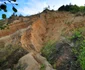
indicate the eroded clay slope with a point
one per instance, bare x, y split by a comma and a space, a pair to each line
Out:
33, 32
46, 26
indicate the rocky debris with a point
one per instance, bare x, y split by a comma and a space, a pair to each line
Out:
27, 63
63, 58
33, 61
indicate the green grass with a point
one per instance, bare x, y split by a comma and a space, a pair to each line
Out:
81, 57
77, 35
79, 50
42, 67
48, 49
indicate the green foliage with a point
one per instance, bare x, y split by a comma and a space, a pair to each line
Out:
79, 50
14, 9
49, 50
77, 35
82, 55
82, 8
3, 25
42, 67
72, 8
4, 16
4, 7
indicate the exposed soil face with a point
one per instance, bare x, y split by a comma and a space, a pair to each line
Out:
33, 32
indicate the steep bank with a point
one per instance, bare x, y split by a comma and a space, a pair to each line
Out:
32, 33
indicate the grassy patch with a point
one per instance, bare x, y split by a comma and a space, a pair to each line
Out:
79, 48
42, 67
82, 55
49, 51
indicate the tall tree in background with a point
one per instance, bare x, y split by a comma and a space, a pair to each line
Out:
72, 8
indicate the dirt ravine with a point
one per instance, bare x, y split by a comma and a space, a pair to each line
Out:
31, 33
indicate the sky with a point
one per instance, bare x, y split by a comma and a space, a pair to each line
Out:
30, 7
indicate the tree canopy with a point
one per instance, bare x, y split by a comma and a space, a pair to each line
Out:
72, 8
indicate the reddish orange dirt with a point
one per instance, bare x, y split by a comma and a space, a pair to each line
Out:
45, 27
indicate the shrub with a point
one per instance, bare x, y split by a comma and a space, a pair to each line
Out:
42, 67
77, 35
79, 47
72, 8
48, 50
82, 55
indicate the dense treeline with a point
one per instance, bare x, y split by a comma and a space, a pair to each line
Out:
72, 8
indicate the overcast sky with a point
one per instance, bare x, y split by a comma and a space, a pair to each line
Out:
29, 7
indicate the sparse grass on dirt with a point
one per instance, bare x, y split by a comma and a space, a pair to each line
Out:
79, 46
48, 51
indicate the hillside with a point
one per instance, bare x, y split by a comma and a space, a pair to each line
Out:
22, 43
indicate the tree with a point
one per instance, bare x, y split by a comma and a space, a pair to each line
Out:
62, 8
3, 6
72, 8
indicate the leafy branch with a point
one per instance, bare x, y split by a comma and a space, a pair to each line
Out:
4, 7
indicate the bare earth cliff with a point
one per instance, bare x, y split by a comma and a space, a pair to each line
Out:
22, 42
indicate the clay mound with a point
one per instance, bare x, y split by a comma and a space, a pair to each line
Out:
18, 24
